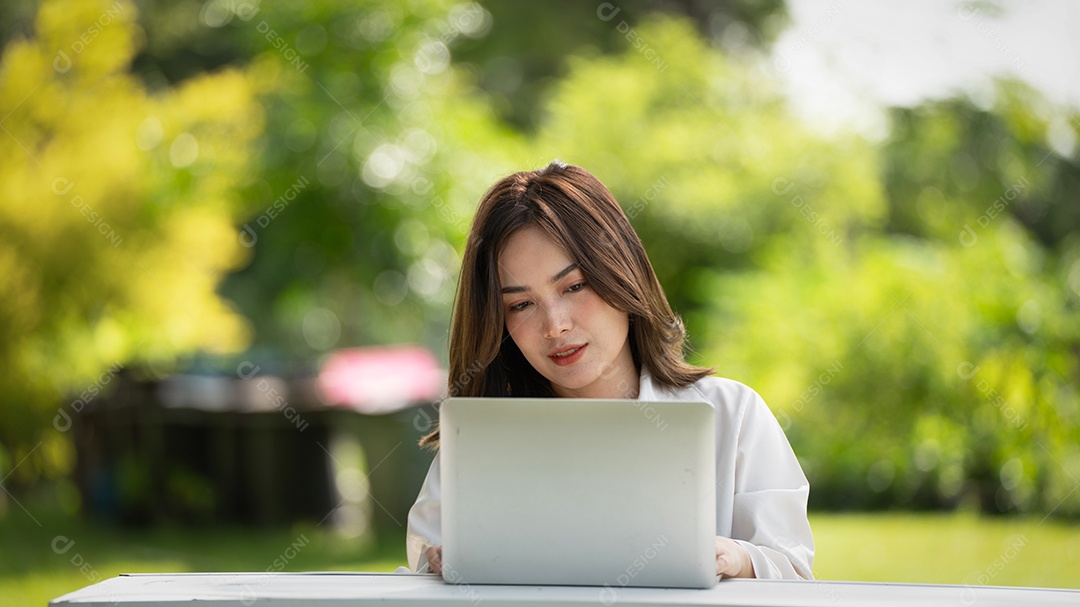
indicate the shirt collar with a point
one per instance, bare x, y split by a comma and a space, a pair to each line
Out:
649, 389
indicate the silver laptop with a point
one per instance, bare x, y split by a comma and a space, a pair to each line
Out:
578, 492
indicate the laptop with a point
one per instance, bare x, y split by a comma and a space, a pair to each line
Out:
582, 492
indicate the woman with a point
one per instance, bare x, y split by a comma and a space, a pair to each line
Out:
557, 298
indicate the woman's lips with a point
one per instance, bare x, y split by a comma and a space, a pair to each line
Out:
568, 356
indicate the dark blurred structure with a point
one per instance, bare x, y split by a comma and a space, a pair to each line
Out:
259, 449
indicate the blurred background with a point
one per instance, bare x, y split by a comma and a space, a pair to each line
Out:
230, 233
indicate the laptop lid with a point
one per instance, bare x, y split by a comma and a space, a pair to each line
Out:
578, 492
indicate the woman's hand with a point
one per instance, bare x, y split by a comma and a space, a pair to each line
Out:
732, 560
434, 559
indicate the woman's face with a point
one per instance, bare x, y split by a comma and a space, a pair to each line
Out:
567, 332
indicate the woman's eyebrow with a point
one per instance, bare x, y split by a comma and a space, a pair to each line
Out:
556, 278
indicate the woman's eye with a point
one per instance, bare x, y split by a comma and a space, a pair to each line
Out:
519, 306
576, 287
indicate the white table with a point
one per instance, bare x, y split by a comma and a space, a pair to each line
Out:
411, 590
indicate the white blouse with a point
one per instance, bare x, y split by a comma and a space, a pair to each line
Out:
761, 490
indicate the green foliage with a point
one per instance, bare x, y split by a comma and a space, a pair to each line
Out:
529, 44
936, 374
913, 362
953, 349
702, 152
374, 151
116, 218
950, 163
330, 174
908, 307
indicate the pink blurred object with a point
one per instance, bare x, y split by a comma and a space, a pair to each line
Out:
381, 379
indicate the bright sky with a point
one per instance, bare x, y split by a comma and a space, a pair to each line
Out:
843, 58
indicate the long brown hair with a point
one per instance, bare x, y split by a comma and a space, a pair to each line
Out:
577, 212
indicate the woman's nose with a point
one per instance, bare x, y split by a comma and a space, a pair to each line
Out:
556, 320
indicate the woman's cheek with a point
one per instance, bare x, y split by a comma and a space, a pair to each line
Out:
514, 325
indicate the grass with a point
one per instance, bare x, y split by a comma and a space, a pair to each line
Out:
946, 549
896, 547
32, 571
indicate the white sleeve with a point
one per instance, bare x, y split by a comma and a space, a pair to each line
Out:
769, 509
425, 520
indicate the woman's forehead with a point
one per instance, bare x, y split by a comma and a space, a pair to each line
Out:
530, 258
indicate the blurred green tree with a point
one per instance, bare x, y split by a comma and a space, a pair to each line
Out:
529, 45
714, 171
908, 307
335, 155
391, 142
918, 342
116, 220
356, 258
